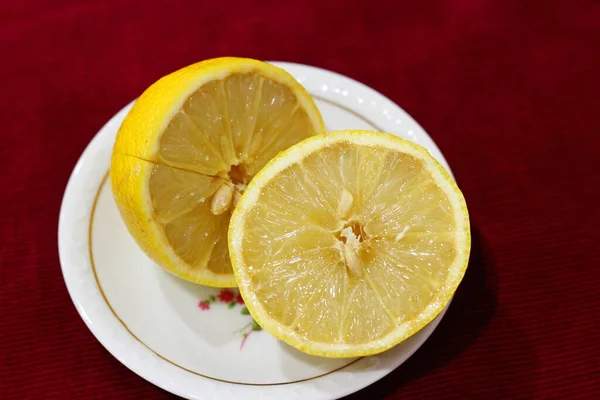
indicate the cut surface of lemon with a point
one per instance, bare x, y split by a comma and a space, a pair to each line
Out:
188, 148
348, 243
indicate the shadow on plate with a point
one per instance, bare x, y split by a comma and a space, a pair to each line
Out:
292, 359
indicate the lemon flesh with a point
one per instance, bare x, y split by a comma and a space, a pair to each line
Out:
347, 244
189, 147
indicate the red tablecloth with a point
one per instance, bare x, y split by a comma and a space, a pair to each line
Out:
509, 90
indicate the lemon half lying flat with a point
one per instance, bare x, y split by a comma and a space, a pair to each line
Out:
348, 243
190, 145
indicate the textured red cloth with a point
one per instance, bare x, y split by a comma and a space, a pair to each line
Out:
509, 90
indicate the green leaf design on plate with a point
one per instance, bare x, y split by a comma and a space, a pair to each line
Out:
255, 326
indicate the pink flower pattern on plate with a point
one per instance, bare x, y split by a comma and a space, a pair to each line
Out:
204, 305
231, 298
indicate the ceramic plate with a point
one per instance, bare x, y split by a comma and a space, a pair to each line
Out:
194, 341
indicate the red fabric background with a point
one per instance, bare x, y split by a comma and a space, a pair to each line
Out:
508, 89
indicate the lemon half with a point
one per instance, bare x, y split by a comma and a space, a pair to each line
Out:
188, 148
346, 244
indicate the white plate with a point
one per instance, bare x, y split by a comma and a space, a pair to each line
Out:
154, 323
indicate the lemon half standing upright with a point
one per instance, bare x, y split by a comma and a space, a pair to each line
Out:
188, 148
348, 243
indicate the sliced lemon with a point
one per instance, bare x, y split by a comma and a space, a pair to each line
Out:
190, 145
348, 243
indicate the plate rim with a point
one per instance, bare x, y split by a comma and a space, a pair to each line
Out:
303, 73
